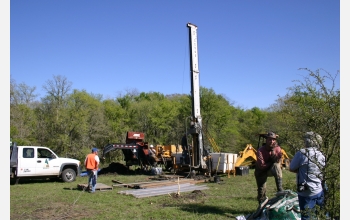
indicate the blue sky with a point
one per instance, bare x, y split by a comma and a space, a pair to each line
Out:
249, 51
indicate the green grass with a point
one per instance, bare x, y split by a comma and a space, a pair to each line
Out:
45, 199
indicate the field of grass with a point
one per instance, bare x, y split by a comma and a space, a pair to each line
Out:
48, 199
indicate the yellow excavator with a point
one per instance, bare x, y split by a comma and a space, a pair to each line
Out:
165, 154
247, 157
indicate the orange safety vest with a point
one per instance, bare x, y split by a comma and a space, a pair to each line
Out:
91, 163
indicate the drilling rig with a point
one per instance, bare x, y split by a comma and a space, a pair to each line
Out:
197, 158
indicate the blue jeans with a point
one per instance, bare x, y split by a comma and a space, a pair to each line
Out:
92, 179
310, 203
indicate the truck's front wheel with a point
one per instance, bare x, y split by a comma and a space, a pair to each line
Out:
68, 175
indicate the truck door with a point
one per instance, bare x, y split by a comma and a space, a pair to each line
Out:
26, 162
47, 162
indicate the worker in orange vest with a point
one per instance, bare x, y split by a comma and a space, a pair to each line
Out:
91, 164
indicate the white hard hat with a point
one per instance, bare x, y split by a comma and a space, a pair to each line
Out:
151, 146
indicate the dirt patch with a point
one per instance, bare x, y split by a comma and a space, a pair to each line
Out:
121, 169
200, 177
194, 196
115, 168
56, 211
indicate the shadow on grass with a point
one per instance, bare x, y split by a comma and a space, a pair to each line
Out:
208, 209
74, 188
27, 180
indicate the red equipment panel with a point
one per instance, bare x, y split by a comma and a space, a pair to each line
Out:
134, 136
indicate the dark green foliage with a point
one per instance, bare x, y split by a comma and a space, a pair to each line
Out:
314, 105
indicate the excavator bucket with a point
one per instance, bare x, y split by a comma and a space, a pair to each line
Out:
247, 157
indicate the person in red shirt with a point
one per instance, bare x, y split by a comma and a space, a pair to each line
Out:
91, 164
268, 164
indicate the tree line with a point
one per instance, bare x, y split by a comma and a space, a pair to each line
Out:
72, 121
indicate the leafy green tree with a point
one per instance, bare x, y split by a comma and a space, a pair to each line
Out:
22, 117
57, 91
163, 118
22, 93
314, 105
217, 119
182, 103
253, 122
51, 112
22, 124
86, 125
117, 121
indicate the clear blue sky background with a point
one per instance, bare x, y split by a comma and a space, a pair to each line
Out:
249, 51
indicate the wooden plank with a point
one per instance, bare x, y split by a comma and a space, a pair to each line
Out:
129, 185
152, 184
168, 177
116, 181
168, 183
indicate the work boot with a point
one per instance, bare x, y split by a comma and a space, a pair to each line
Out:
279, 184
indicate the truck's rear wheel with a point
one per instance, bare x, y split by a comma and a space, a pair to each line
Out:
68, 175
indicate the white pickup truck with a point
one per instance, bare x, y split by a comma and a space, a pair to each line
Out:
41, 162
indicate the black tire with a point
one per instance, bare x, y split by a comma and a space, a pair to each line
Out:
69, 175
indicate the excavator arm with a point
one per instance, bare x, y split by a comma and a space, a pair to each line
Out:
112, 147
249, 152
